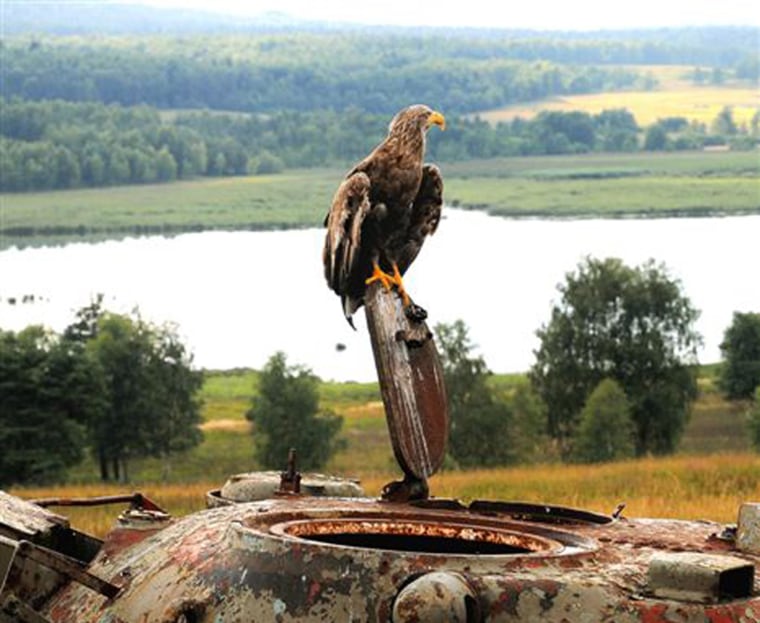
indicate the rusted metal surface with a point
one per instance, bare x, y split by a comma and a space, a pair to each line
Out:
25, 520
321, 559
411, 382
700, 577
437, 597
14, 610
255, 486
542, 513
39, 554
290, 478
136, 500
67, 567
748, 528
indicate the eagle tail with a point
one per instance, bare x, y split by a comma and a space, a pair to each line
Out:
350, 305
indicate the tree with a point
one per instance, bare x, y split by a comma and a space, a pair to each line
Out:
285, 414
150, 388
166, 166
616, 130
531, 442
480, 424
724, 124
656, 138
605, 431
633, 325
268, 164
740, 372
175, 412
48, 393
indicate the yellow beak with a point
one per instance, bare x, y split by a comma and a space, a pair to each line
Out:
438, 119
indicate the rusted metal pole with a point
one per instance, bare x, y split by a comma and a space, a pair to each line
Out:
69, 567
411, 382
136, 500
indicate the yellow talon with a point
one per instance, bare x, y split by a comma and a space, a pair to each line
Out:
405, 300
389, 281
378, 275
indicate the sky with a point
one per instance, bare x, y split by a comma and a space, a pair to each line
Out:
534, 14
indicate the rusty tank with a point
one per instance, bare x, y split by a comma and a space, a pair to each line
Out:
286, 547
301, 557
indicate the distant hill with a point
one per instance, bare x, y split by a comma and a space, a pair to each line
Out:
719, 45
72, 18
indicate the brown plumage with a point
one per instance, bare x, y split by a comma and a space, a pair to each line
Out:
383, 211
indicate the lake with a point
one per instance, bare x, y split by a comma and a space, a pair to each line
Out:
238, 297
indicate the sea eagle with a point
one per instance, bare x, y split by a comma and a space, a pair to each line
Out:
383, 210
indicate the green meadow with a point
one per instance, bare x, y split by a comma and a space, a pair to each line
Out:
599, 185
716, 426
605, 185
710, 475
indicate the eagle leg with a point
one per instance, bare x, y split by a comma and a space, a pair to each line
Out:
378, 274
400, 286
389, 281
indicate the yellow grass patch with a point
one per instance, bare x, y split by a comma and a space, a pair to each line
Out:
370, 409
679, 487
675, 97
683, 487
242, 426
177, 499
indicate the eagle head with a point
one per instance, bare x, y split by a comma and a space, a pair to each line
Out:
418, 116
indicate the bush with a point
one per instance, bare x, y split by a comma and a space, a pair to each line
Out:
481, 431
606, 431
285, 415
740, 372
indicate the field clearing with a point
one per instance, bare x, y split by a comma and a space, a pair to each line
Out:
599, 185
713, 472
716, 426
701, 104
294, 199
675, 96
614, 197
682, 487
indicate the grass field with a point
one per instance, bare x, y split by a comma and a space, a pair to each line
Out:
681, 487
716, 426
675, 96
712, 473
602, 185
296, 199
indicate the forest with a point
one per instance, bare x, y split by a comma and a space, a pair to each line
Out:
96, 111
306, 72
56, 145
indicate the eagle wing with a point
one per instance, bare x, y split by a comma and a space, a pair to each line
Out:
343, 253
425, 215
382, 211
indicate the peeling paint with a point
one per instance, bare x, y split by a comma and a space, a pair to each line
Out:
325, 559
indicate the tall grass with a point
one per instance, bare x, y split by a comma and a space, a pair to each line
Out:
682, 487
178, 499
711, 476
